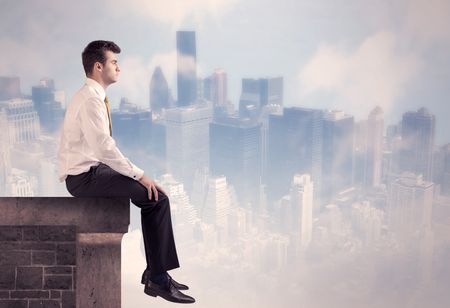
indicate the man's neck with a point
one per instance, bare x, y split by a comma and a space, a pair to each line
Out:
100, 81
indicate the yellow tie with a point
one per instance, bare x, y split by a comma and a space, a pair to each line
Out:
109, 116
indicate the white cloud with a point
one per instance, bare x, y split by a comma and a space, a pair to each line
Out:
136, 73
428, 21
375, 73
175, 12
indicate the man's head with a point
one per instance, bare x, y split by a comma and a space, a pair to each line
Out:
100, 61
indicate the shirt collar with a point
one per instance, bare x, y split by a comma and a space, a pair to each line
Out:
97, 87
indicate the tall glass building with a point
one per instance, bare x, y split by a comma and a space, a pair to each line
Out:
416, 154
186, 68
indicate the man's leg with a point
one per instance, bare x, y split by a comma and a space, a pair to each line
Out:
159, 243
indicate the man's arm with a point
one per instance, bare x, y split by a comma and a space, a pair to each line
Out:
96, 131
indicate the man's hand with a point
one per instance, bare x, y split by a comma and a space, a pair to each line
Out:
151, 186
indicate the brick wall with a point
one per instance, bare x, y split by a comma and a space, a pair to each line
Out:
37, 266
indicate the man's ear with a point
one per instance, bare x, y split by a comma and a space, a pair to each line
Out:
98, 66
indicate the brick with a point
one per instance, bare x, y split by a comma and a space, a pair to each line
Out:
57, 233
55, 294
45, 304
14, 257
58, 282
74, 278
31, 233
66, 254
11, 303
10, 246
43, 258
38, 246
4, 294
58, 270
10, 233
29, 278
7, 277
68, 299
30, 294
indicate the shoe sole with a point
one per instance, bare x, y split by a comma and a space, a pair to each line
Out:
155, 294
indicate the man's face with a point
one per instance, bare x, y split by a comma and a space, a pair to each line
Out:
110, 70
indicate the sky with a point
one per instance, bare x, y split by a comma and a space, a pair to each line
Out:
350, 55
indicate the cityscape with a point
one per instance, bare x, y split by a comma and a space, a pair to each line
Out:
264, 189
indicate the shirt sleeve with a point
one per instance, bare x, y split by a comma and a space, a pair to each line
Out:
95, 128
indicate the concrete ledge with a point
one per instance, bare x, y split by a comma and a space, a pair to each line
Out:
61, 252
90, 215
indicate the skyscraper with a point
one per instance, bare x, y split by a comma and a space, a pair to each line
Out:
187, 141
257, 93
235, 151
294, 145
51, 114
159, 91
416, 153
302, 201
23, 120
5, 159
186, 68
132, 127
337, 151
410, 201
441, 173
215, 88
374, 148
217, 202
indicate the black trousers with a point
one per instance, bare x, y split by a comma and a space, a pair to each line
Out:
159, 243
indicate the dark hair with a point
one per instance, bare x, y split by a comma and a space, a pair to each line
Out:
95, 52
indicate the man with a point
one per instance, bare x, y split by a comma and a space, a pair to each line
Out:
93, 166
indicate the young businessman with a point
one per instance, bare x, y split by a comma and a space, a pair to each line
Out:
93, 166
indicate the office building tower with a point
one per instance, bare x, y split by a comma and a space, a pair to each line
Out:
441, 167
360, 151
183, 212
235, 151
257, 93
217, 202
264, 120
187, 141
23, 120
186, 68
416, 153
9, 88
21, 184
294, 145
410, 200
159, 91
49, 109
157, 151
5, 159
132, 126
215, 88
337, 151
374, 148
301, 196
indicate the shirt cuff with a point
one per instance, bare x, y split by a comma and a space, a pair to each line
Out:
136, 173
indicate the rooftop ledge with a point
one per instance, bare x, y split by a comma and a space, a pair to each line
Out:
61, 251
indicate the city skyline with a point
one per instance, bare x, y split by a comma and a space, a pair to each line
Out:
306, 153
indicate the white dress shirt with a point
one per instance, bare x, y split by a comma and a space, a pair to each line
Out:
85, 139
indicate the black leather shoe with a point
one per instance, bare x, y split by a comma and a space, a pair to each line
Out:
179, 286
168, 292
